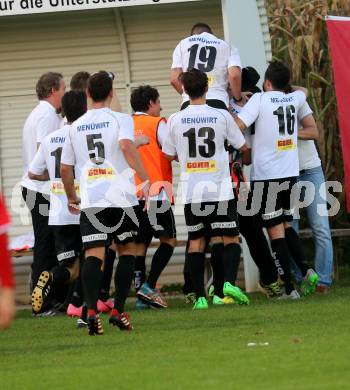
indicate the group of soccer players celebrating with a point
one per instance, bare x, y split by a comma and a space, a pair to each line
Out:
110, 183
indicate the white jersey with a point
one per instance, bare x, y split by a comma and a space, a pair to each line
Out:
308, 155
211, 55
42, 121
197, 136
106, 180
275, 136
48, 157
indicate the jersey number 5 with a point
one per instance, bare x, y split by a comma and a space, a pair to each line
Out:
93, 145
207, 150
282, 124
207, 57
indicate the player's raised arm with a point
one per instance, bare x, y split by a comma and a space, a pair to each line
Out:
309, 129
234, 135
235, 76
307, 125
301, 89
176, 70
249, 113
175, 79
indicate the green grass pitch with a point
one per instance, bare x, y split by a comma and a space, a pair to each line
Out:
308, 348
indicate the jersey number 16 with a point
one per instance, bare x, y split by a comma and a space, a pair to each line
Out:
284, 113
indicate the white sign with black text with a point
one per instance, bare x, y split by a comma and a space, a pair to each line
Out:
24, 7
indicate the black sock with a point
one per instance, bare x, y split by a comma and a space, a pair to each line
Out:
107, 275
91, 281
296, 249
196, 264
77, 295
251, 230
281, 255
60, 275
232, 258
123, 279
140, 272
188, 285
217, 264
159, 262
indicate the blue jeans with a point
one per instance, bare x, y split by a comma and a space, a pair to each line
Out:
320, 229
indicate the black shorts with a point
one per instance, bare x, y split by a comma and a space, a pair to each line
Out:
157, 222
215, 103
278, 200
68, 243
100, 226
211, 219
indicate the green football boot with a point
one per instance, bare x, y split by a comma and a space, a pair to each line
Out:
235, 293
272, 290
217, 300
201, 304
309, 283
211, 291
190, 298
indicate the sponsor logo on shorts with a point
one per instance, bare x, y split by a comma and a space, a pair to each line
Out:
95, 237
195, 228
66, 255
124, 236
274, 214
223, 225
285, 144
201, 166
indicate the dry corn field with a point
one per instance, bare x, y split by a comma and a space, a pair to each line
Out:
299, 38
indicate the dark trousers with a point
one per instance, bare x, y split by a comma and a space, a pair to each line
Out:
44, 254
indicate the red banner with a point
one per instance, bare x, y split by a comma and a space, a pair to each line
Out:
339, 40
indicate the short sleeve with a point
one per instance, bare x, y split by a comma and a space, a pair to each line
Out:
169, 144
234, 58
250, 111
161, 132
177, 57
234, 134
126, 130
45, 125
68, 155
301, 97
304, 111
38, 165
